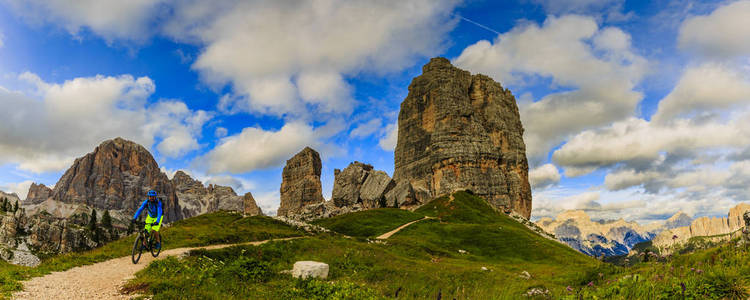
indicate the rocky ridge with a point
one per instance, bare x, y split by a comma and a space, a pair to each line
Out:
196, 199
597, 238
458, 131
718, 229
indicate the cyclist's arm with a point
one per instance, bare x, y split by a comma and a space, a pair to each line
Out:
140, 209
158, 213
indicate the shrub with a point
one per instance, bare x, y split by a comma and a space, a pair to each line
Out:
315, 289
249, 269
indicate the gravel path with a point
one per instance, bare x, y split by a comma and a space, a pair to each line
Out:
386, 235
101, 280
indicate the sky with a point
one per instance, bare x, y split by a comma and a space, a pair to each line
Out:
631, 109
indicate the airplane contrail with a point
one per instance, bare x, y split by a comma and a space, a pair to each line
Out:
480, 25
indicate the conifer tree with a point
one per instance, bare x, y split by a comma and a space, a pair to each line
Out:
107, 221
92, 220
15, 207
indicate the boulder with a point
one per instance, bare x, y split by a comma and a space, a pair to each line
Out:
300, 182
310, 269
458, 131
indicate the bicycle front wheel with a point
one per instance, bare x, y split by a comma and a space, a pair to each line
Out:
136, 254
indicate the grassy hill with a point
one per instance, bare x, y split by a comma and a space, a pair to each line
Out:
208, 229
369, 223
421, 261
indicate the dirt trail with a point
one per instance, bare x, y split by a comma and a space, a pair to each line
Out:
101, 280
386, 235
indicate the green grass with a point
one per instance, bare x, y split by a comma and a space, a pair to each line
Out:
208, 229
369, 223
419, 262
717, 273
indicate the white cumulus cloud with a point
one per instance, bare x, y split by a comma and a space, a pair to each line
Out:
599, 65
110, 19
724, 33
53, 123
544, 176
366, 129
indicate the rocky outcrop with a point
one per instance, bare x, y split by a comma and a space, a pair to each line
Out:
38, 193
116, 176
196, 199
596, 238
250, 207
718, 229
460, 131
348, 183
300, 184
404, 195
360, 184
374, 189
23, 237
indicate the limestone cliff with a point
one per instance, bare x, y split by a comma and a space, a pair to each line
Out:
718, 229
461, 131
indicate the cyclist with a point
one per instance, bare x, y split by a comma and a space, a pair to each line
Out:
153, 217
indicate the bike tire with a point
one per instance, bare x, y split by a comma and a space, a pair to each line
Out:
135, 256
154, 252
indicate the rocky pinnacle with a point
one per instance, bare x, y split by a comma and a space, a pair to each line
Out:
461, 131
300, 185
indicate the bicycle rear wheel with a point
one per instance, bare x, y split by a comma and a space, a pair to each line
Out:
136, 254
154, 252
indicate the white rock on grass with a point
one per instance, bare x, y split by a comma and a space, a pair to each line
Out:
307, 269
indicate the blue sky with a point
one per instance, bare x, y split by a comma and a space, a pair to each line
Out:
632, 109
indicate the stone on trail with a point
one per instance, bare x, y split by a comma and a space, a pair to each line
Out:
307, 269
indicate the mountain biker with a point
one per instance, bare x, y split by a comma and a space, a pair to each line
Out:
153, 216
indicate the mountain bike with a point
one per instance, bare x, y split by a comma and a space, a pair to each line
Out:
144, 235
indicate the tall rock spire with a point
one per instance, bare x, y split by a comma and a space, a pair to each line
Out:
462, 131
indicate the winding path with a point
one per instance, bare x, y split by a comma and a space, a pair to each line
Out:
386, 235
100, 280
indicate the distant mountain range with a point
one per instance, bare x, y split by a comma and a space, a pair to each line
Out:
605, 238
715, 229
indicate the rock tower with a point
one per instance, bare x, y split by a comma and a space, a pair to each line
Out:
462, 131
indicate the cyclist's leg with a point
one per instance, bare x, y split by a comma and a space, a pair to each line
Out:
149, 227
156, 232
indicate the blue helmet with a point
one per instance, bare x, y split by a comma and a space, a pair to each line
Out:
152, 193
